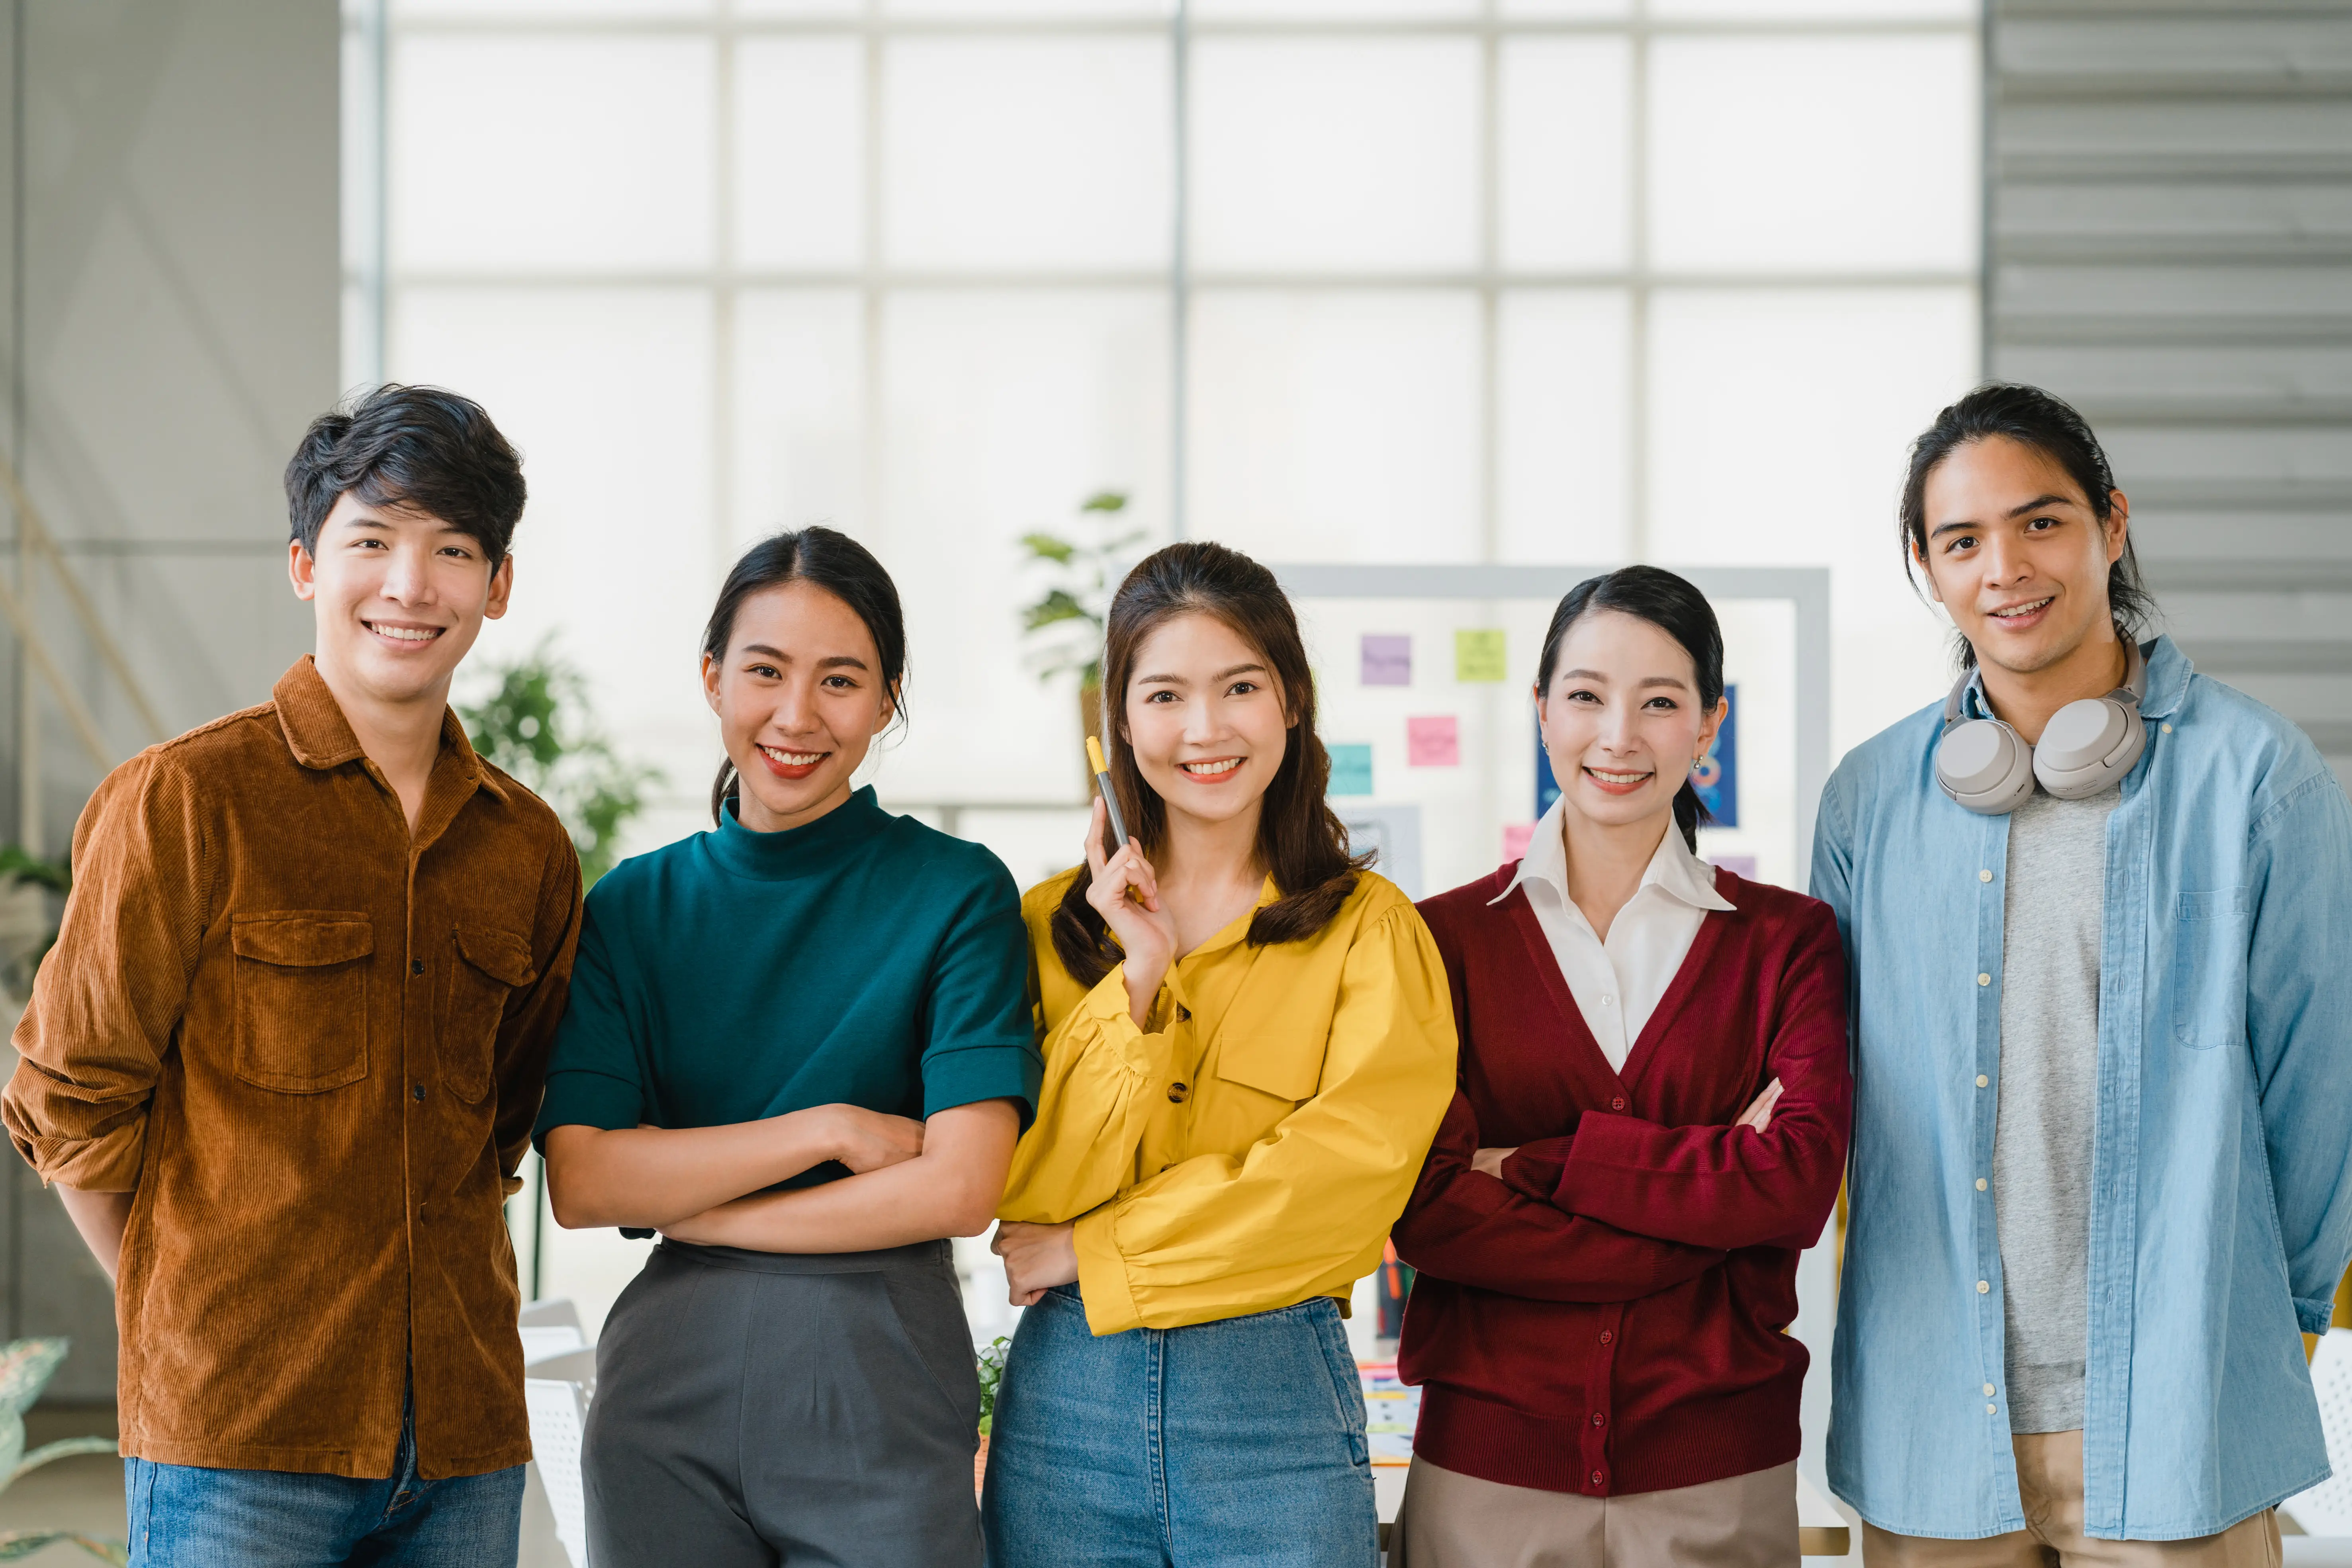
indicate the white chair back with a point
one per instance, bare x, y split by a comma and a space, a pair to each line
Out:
549, 1328
556, 1391
2326, 1508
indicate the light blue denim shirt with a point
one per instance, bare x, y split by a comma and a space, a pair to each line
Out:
2222, 1207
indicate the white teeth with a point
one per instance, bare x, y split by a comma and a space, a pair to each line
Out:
1616, 778
793, 759
2018, 610
406, 633
1211, 770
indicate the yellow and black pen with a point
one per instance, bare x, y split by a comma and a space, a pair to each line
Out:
1109, 796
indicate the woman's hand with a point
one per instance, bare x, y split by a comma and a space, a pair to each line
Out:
1036, 1258
1759, 1113
867, 1140
1126, 895
1491, 1160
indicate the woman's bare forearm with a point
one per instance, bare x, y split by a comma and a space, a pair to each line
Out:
952, 1188
653, 1175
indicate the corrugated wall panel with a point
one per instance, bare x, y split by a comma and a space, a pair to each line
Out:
2168, 200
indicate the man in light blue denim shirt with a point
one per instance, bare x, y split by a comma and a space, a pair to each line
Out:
2099, 1173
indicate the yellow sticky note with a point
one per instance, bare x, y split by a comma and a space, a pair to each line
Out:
1478, 656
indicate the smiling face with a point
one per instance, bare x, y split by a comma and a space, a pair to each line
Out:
2017, 556
1621, 719
800, 698
400, 596
1205, 720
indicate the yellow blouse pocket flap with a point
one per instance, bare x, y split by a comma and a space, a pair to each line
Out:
1287, 1063
302, 940
502, 956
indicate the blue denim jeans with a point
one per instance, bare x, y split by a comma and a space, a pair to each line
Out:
186, 1516
1239, 1442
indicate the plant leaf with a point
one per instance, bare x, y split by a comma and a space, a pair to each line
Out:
1046, 547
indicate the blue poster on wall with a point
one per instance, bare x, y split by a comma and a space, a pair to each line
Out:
1716, 777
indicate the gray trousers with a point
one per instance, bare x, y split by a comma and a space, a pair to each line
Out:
757, 1408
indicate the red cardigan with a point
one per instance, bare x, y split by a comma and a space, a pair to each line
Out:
1608, 1318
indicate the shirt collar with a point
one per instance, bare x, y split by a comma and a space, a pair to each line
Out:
1675, 868
321, 738
2169, 670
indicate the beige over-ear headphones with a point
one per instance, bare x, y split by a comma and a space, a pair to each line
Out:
2087, 746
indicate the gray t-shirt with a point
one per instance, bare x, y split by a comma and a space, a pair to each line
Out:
2052, 909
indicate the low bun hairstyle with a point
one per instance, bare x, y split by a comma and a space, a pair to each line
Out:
1675, 607
823, 558
1302, 843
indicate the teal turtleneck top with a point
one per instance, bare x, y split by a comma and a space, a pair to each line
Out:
864, 959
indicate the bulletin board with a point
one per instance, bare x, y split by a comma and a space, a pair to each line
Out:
1424, 677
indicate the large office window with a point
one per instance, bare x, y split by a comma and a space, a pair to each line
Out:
1379, 280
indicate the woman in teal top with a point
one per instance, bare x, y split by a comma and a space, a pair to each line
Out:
800, 1048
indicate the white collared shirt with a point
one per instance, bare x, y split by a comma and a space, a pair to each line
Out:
1618, 983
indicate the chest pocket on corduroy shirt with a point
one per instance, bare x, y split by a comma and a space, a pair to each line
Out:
300, 984
487, 967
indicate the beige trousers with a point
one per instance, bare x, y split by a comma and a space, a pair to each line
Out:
2050, 1485
1452, 1520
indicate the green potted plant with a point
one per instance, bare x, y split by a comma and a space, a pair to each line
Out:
536, 723
26, 1367
1065, 626
992, 1378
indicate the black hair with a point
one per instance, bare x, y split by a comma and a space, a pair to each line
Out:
1675, 606
2050, 425
421, 448
825, 559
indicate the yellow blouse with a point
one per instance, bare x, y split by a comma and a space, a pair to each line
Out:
1252, 1149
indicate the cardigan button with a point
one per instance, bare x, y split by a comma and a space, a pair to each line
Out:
1178, 1094
1596, 1478
1608, 1335
1618, 1103
1596, 1418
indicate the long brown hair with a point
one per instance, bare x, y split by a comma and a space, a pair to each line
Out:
1301, 842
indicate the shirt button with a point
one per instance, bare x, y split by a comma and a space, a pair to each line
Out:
1606, 1000
1991, 1411
1982, 1080
417, 1092
1618, 1103
1983, 1285
1985, 875
1607, 1335
1988, 1391
2168, 729
415, 966
1980, 1184
1596, 1478
1984, 979
1596, 1418
1178, 1094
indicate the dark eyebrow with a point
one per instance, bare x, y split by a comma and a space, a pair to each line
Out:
1676, 682
1240, 669
2036, 504
837, 661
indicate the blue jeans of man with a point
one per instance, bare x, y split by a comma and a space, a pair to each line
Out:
1227, 1443
186, 1516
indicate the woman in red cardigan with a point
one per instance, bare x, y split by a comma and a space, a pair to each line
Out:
1650, 1125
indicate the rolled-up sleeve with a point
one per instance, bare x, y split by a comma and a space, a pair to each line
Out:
110, 994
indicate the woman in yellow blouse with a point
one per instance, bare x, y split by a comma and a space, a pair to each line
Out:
1249, 1044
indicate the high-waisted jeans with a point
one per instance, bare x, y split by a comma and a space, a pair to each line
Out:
1239, 1442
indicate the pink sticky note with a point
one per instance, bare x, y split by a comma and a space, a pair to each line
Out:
1433, 742
1517, 837
1387, 659
1742, 865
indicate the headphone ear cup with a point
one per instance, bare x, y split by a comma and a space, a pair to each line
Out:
1986, 766
2087, 746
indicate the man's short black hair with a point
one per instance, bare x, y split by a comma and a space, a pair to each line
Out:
421, 447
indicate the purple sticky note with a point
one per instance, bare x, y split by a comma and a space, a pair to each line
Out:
1388, 659
1517, 837
1433, 742
1742, 865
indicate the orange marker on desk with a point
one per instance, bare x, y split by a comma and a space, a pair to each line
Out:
1102, 782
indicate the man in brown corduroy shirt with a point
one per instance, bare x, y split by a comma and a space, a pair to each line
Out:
283, 1061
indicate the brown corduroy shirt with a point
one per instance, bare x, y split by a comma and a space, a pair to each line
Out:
312, 1043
